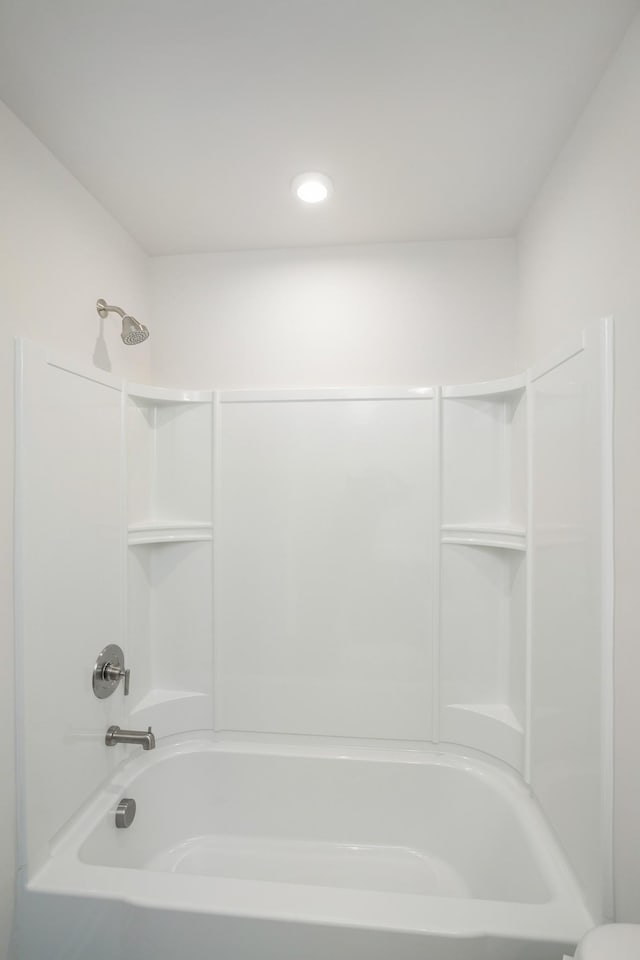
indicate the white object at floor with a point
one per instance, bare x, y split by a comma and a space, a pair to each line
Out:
613, 941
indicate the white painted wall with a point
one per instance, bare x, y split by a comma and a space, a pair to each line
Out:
59, 251
579, 256
381, 314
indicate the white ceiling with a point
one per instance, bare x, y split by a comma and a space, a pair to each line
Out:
188, 119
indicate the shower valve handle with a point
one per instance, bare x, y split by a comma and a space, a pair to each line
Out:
109, 672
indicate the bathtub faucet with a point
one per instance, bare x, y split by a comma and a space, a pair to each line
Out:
144, 738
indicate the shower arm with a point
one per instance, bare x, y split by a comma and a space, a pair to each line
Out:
104, 309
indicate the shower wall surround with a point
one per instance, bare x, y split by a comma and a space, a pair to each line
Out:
326, 562
352, 524
169, 443
396, 564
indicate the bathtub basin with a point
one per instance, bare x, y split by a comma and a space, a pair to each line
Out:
244, 850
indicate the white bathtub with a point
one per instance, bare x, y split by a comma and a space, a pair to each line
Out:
267, 851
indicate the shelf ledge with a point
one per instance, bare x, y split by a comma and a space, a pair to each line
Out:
504, 537
157, 697
499, 712
173, 711
167, 395
487, 388
141, 533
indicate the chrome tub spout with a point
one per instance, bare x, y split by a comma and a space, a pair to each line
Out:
143, 738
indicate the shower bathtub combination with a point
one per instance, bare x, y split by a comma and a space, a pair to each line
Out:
342, 612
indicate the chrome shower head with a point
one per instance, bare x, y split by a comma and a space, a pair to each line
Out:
133, 331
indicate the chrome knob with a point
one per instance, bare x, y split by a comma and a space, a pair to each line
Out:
125, 813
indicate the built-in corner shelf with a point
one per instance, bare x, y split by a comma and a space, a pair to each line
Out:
490, 727
156, 697
173, 711
498, 712
174, 532
505, 537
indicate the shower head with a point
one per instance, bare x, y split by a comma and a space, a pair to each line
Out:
132, 330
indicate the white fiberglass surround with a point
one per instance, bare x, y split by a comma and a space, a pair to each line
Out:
408, 567
423, 844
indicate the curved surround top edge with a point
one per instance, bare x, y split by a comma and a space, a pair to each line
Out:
163, 394
279, 395
290, 395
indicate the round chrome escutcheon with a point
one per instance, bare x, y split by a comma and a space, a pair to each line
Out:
125, 813
111, 656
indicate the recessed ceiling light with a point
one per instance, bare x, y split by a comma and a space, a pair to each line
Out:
312, 187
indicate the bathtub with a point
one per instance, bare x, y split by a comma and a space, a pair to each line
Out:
289, 851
